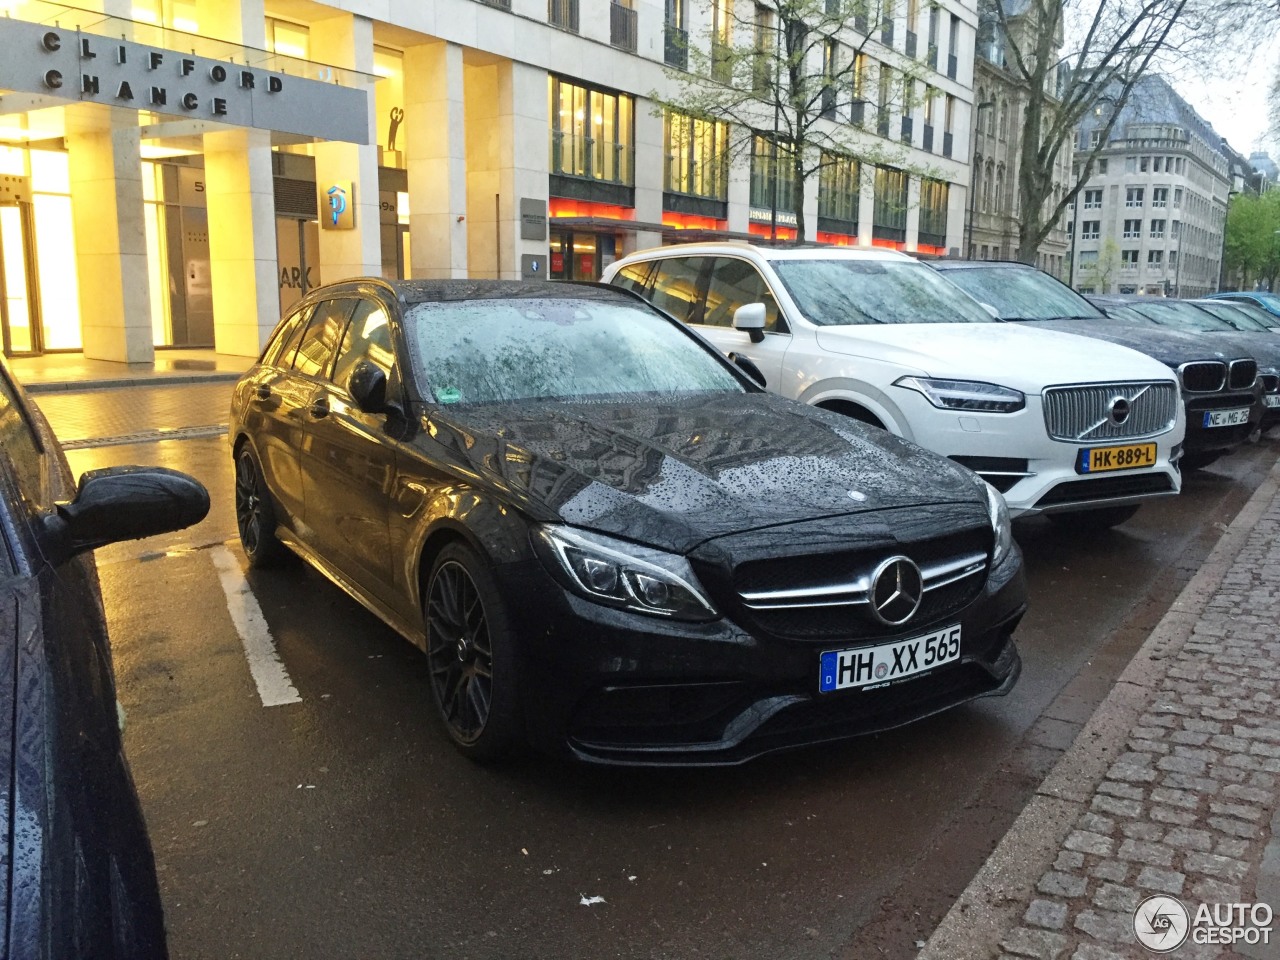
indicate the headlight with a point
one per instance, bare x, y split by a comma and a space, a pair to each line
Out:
621, 574
970, 395
1001, 525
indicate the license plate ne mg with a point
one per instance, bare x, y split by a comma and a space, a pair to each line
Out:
1129, 457
882, 665
1226, 418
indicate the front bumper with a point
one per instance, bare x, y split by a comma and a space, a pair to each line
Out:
607, 686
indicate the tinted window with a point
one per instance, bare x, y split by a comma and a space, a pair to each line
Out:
321, 339
368, 337
286, 337
675, 286
632, 277
1021, 294
486, 351
847, 291
734, 283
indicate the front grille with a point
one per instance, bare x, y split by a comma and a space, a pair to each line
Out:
1243, 373
1105, 488
1271, 383
1110, 411
814, 598
1203, 376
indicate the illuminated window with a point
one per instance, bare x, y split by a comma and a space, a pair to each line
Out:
839, 186
591, 132
288, 39
697, 156
772, 174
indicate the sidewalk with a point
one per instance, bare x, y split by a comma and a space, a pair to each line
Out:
71, 371
1172, 788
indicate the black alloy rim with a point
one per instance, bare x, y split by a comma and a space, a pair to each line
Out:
248, 503
460, 652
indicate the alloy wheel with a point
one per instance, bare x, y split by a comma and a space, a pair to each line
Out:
249, 504
460, 652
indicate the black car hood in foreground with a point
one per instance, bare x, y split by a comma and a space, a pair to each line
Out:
675, 476
1173, 347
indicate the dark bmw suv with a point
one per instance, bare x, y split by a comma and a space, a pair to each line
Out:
608, 540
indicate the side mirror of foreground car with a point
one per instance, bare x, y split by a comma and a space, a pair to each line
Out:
368, 387
123, 503
750, 317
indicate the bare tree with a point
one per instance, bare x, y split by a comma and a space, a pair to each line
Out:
1075, 58
794, 78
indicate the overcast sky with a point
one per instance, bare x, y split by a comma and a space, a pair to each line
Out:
1237, 108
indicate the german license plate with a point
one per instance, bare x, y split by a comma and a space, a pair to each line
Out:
879, 666
1129, 457
1226, 418
1272, 399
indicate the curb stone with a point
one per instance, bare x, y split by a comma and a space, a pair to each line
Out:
996, 898
158, 380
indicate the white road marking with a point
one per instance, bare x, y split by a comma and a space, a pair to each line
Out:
274, 686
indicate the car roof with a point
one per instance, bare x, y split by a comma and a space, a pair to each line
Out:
980, 264
442, 291
729, 247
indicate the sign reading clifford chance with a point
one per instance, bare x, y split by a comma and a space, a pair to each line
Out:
120, 73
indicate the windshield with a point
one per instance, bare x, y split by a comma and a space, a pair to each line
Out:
1233, 314
1021, 294
1180, 314
838, 291
1118, 311
499, 351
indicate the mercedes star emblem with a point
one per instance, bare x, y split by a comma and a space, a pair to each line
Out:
896, 591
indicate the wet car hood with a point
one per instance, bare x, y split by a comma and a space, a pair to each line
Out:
1023, 357
674, 476
1172, 347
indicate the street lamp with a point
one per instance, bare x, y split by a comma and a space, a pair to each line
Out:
973, 186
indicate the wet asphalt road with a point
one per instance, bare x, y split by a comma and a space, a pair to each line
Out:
345, 826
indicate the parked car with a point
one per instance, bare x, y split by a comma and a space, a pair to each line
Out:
1056, 422
1205, 362
607, 539
79, 879
1186, 316
1269, 302
1246, 317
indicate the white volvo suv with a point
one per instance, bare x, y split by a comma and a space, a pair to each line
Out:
1060, 424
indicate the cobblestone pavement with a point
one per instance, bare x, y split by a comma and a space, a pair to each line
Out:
146, 411
1186, 810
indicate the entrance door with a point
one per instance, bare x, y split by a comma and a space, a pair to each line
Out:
19, 299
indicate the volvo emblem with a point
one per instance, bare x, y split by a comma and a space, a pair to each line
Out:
1120, 410
896, 591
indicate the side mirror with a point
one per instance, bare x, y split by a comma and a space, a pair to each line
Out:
368, 386
750, 317
748, 366
123, 503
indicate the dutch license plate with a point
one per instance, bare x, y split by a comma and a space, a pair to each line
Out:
1272, 400
880, 666
1226, 418
1102, 459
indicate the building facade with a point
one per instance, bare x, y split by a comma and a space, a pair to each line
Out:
1000, 104
1151, 218
177, 172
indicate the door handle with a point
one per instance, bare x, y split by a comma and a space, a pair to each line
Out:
319, 410
262, 391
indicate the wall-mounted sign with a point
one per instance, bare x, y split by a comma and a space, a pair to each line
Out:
338, 206
76, 66
765, 215
533, 219
533, 266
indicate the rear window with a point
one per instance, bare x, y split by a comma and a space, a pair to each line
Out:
838, 292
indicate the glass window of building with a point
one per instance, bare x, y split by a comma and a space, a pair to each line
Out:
889, 214
591, 132
934, 197
697, 156
1133, 196
772, 174
839, 185
1132, 229
388, 67
173, 14
288, 39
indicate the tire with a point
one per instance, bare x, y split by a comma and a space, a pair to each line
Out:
255, 513
470, 655
1197, 461
1103, 518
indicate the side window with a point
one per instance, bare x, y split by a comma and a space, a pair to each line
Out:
734, 283
315, 352
633, 277
675, 287
286, 336
368, 337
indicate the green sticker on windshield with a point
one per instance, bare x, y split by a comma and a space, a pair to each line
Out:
449, 395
